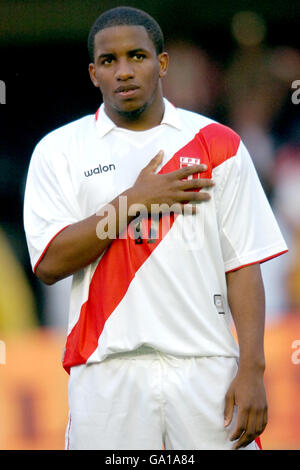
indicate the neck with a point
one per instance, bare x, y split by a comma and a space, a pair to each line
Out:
148, 116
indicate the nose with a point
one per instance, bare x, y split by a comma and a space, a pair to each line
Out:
124, 70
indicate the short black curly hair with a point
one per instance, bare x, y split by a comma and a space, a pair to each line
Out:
123, 16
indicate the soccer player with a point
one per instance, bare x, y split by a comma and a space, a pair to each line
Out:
159, 216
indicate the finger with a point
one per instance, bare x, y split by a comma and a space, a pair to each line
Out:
241, 424
259, 427
196, 183
155, 162
265, 421
250, 433
228, 409
260, 423
195, 197
187, 171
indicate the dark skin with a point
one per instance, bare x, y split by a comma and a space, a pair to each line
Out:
246, 298
128, 72
125, 57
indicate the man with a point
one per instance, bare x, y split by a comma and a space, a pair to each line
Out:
158, 214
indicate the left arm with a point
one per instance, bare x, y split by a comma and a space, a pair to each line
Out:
246, 299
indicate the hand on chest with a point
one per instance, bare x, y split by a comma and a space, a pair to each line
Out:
116, 164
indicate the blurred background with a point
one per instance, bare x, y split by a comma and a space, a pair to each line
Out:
234, 61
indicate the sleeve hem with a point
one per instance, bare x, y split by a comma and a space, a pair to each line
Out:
46, 248
256, 262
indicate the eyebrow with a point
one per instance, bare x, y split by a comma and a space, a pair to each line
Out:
140, 49
108, 54
131, 52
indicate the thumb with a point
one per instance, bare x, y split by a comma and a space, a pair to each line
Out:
156, 161
228, 409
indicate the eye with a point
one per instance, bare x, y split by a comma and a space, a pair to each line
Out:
107, 61
139, 57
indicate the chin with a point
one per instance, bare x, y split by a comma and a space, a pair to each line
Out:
132, 112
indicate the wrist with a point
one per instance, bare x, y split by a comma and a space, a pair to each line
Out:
252, 364
135, 202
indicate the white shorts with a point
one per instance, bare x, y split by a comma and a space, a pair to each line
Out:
149, 400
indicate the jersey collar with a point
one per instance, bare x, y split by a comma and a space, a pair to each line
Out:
104, 124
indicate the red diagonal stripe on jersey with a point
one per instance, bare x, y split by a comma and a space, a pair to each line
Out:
124, 257
258, 442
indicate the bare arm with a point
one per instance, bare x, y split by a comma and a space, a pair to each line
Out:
247, 303
76, 247
79, 244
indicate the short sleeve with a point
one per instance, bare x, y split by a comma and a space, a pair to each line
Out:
49, 203
248, 230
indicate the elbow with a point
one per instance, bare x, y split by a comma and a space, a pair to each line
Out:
49, 281
46, 275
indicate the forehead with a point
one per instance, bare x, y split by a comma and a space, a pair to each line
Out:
120, 39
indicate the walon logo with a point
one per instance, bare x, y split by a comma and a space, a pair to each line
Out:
2, 92
99, 169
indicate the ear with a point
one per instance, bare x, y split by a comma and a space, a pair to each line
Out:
163, 59
92, 72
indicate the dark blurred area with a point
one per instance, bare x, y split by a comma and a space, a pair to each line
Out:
235, 61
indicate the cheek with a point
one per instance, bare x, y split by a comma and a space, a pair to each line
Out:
104, 82
104, 74
152, 78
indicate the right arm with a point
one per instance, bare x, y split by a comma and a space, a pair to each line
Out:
78, 245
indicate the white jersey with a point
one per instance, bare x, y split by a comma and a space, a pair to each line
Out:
166, 289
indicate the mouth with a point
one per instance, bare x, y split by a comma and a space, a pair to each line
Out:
127, 91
